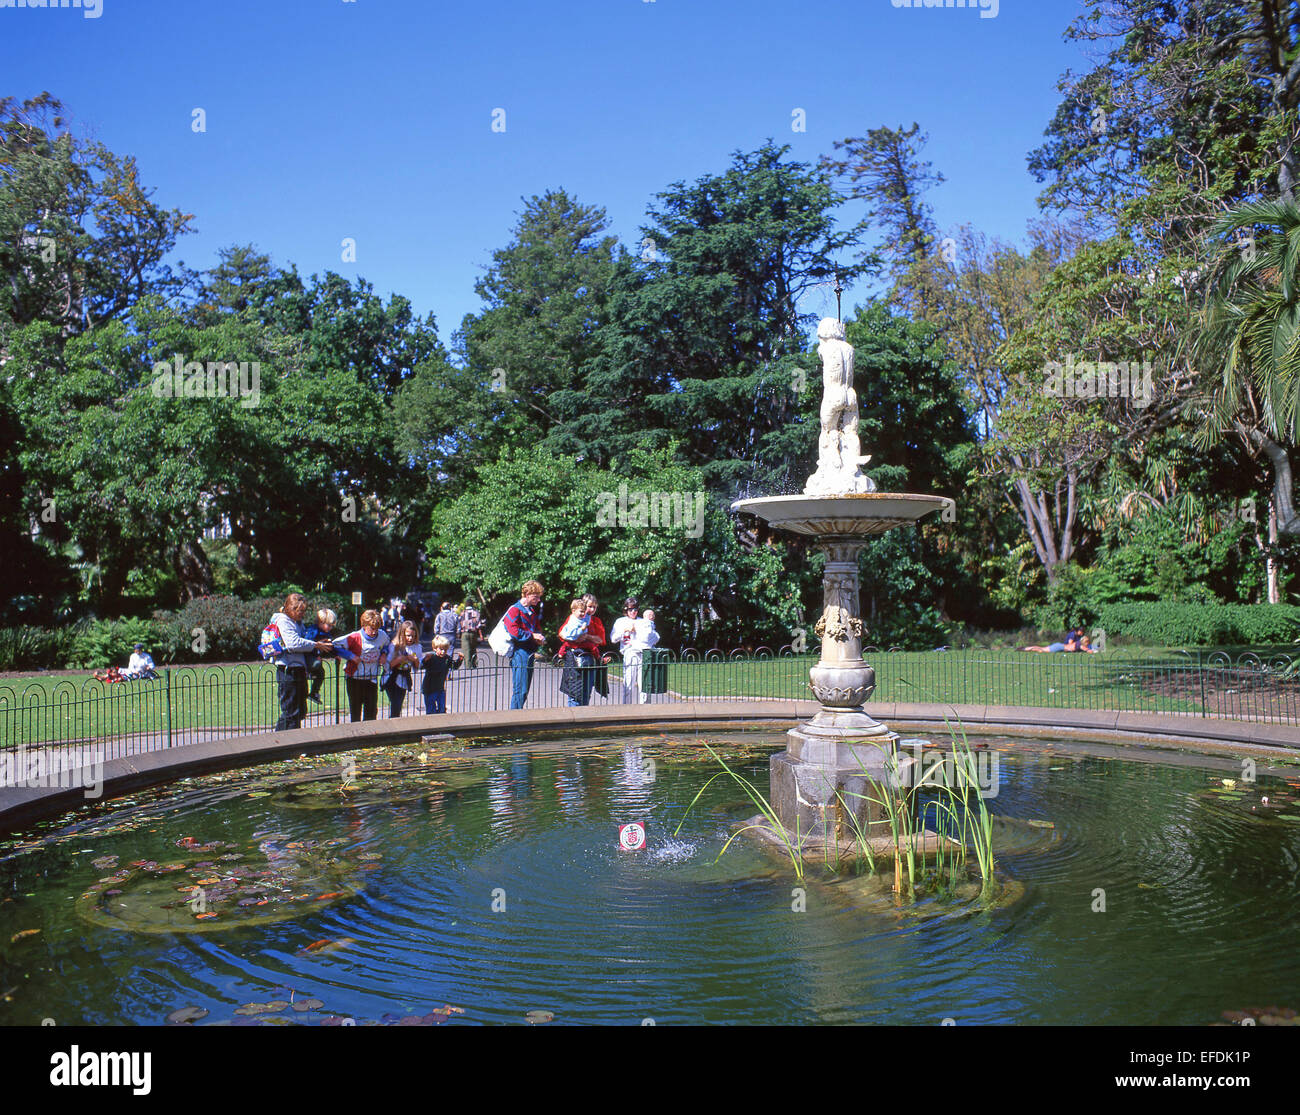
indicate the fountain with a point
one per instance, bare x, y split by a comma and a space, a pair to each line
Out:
829, 758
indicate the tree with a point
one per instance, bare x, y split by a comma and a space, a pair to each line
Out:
1248, 345
885, 170
705, 344
80, 239
580, 528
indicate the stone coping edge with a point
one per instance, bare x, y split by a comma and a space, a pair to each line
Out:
22, 805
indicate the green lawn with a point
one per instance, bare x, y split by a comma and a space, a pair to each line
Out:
1123, 680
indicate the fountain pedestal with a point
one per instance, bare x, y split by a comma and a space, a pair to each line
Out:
820, 783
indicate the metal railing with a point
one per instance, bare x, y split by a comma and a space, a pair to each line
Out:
190, 704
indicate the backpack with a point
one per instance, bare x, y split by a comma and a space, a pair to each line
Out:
271, 645
500, 640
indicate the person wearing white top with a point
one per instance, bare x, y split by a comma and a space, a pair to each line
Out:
141, 664
644, 635
626, 636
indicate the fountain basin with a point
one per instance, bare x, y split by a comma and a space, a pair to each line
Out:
856, 515
672, 932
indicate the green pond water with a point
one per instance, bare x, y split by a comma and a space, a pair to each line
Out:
391, 886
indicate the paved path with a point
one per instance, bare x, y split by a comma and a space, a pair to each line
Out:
486, 689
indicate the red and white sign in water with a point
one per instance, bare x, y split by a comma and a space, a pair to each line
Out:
631, 837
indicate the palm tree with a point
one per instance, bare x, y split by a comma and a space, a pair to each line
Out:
1248, 344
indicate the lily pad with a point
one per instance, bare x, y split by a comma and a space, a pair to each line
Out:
273, 1007
306, 1004
186, 1014
537, 1017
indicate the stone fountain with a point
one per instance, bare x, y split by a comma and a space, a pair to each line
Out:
830, 758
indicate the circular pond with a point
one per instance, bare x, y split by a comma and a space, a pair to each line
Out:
392, 886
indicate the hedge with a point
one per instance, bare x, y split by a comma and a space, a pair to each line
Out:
1163, 623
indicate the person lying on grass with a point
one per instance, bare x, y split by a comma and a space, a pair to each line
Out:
1055, 648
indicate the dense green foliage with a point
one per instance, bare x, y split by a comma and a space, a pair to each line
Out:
1165, 624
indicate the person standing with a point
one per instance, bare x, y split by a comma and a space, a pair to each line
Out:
522, 622
471, 624
367, 653
437, 663
583, 655
623, 636
402, 658
290, 662
447, 623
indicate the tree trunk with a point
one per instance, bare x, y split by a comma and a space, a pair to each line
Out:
1274, 597
193, 570
1283, 501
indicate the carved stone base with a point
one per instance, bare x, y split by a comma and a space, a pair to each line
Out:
814, 799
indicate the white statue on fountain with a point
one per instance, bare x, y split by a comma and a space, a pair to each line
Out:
838, 449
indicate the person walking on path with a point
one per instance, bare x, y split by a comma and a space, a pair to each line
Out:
290, 662
471, 624
447, 623
522, 622
367, 653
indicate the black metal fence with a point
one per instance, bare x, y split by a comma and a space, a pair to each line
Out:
190, 704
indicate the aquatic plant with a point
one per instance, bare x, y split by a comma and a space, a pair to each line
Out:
971, 826
793, 847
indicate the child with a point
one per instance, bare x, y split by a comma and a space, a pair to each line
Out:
575, 627
644, 635
404, 654
437, 664
320, 631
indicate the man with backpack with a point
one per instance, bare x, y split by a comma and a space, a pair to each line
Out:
292, 648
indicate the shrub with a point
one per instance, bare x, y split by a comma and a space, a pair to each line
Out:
1165, 623
109, 642
231, 628
1077, 597
36, 648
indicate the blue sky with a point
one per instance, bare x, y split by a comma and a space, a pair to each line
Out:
372, 119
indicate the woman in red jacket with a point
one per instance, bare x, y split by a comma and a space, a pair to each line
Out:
583, 656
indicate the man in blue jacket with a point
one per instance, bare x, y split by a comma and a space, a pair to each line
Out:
522, 623
291, 662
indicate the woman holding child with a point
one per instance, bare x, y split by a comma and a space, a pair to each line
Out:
582, 636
